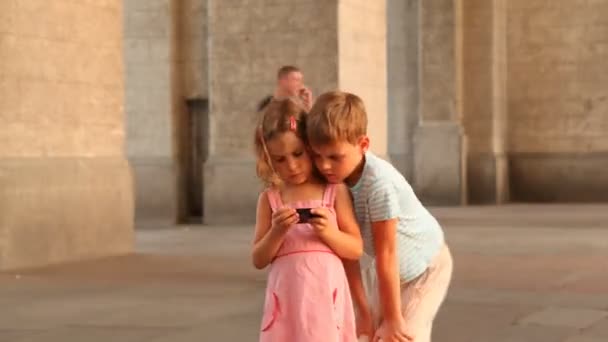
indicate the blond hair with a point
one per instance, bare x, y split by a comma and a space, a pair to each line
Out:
278, 117
336, 116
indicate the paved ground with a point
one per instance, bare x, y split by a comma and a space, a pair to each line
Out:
522, 274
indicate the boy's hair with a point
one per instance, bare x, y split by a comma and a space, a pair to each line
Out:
286, 70
278, 117
336, 116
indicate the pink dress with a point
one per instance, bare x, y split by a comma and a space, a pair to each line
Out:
307, 294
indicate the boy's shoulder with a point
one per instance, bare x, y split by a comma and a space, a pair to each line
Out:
379, 170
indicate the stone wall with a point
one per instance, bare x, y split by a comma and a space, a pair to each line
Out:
65, 186
558, 99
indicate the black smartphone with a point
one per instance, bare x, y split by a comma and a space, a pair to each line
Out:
305, 215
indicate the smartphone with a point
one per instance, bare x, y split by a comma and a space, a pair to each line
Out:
305, 215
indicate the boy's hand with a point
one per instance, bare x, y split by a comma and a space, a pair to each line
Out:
389, 331
320, 222
284, 218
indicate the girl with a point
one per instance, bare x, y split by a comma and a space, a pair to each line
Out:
307, 295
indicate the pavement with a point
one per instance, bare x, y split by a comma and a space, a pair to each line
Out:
523, 273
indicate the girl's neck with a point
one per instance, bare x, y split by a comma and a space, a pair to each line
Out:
309, 190
313, 180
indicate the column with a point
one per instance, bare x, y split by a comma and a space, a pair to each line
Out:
149, 64
439, 141
484, 100
403, 86
65, 184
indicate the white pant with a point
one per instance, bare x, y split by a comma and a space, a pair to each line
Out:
420, 298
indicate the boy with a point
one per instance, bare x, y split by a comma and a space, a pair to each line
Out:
411, 268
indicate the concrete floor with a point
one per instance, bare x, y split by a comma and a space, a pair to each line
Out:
523, 273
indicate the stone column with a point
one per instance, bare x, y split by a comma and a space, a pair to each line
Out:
65, 184
484, 99
362, 62
403, 86
439, 140
337, 44
499, 102
149, 58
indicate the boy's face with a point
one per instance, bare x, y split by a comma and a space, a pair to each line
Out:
340, 161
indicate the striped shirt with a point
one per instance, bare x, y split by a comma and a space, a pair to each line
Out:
382, 193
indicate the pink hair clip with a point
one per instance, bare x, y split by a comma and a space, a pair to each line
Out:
293, 125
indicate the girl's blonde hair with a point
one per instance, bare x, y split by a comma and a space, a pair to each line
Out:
278, 117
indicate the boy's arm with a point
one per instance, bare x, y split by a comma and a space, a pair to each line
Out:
389, 287
384, 208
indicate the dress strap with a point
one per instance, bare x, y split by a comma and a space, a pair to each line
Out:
329, 195
274, 197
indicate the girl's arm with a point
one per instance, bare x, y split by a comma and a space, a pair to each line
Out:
365, 323
353, 273
346, 218
269, 235
346, 240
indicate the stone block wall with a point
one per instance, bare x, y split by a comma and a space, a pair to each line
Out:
558, 99
65, 185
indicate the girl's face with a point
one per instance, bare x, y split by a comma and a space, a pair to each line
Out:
290, 158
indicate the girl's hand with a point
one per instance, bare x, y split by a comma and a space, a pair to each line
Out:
365, 324
283, 218
320, 221
390, 331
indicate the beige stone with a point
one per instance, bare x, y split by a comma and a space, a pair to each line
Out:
65, 186
361, 42
64, 209
552, 76
484, 90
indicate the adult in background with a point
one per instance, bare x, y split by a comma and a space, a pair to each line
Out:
290, 84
